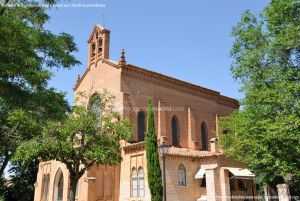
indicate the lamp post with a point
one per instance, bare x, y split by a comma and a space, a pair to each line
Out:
163, 149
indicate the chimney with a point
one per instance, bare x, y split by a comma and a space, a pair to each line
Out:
214, 146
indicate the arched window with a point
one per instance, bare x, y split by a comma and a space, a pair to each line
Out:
175, 132
141, 126
134, 183
204, 136
181, 175
95, 106
100, 45
141, 185
45, 186
93, 50
137, 183
59, 186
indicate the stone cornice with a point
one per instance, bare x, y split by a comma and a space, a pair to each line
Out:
194, 158
135, 147
224, 100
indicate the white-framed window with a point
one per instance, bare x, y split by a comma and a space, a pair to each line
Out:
141, 183
134, 183
181, 175
137, 183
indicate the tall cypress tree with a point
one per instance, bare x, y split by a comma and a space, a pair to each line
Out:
153, 167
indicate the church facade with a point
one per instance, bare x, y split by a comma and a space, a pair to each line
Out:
186, 119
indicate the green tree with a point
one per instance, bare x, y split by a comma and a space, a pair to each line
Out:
19, 125
85, 137
22, 123
265, 133
22, 174
29, 53
153, 167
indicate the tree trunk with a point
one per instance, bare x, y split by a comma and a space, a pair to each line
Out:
4, 164
73, 186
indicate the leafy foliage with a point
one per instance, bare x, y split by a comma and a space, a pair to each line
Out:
29, 53
22, 175
265, 133
81, 140
153, 167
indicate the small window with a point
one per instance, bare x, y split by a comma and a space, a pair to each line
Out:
134, 183
181, 175
175, 132
137, 183
141, 183
93, 50
204, 136
141, 126
203, 182
100, 45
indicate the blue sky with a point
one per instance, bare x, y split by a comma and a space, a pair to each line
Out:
189, 40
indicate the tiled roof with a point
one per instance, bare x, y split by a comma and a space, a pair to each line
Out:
172, 151
183, 152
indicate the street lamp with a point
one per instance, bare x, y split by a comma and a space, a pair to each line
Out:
163, 149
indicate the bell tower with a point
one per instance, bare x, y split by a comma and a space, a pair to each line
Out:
98, 44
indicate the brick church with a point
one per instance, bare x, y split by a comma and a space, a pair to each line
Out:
186, 119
